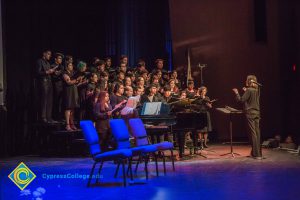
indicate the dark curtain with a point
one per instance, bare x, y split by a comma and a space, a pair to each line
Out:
139, 29
84, 29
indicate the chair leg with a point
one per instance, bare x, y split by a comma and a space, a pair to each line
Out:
164, 162
137, 164
146, 166
172, 157
117, 170
156, 165
127, 171
91, 174
124, 174
130, 168
99, 171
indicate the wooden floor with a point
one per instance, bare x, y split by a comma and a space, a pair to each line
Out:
214, 177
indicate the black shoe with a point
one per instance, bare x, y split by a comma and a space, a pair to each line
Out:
259, 157
51, 121
44, 120
205, 146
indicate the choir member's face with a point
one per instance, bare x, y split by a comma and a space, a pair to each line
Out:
142, 68
47, 55
153, 90
101, 68
58, 59
128, 81
121, 90
108, 62
129, 92
204, 91
95, 78
159, 74
70, 67
160, 64
191, 86
156, 80
174, 74
70, 60
142, 82
97, 60
183, 95
107, 97
105, 78
132, 78
172, 84
123, 67
166, 76
145, 76
83, 68
139, 91
121, 76
167, 93
125, 60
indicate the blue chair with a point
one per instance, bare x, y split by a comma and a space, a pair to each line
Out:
139, 132
91, 137
121, 135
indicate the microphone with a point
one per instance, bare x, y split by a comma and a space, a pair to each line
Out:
256, 83
202, 65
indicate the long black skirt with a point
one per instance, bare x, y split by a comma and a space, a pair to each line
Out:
71, 99
208, 127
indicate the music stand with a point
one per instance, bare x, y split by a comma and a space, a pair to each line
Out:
201, 66
230, 111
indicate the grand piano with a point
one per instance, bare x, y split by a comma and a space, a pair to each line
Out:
160, 118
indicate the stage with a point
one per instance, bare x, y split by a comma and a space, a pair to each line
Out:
217, 177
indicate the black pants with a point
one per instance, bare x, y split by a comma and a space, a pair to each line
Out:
46, 99
105, 137
254, 134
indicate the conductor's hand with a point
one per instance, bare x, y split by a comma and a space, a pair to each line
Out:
235, 91
109, 113
244, 89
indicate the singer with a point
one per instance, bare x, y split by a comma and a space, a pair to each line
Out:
250, 100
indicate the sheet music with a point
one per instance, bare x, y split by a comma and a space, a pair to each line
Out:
228, 110
232, 109
224, 110
152, 108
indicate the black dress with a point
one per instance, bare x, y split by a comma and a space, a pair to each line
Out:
82, 89
205, 109
114, 100
102, 125
71, 99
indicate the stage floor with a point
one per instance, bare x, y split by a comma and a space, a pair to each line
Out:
217, 177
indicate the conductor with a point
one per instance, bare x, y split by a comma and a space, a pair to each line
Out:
250, 100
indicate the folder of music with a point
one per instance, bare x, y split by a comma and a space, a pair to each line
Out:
229, 110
